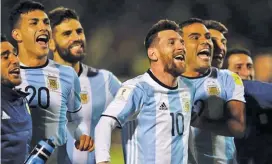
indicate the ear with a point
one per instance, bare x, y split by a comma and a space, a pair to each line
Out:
16, 34
52, 45
152, 54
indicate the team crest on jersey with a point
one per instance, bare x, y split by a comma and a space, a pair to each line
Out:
212, 87
186, 101
52, 82
84, 97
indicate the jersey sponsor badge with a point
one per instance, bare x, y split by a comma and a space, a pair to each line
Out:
236, 79
124, 93
84, 97
52, 82
212, 87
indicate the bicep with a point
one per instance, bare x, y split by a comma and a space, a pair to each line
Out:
236, 110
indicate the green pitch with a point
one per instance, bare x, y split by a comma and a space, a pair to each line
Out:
117, 154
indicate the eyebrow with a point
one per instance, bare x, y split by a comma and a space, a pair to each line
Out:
192, 34
37, 19
8, 52
5, 52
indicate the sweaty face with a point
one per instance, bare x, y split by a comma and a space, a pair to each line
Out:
35, 31
70, 40
10, 70
220, 48
171, 51
242, 65
199, 47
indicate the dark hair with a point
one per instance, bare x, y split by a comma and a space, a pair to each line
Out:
233, 52
22, 8
190, 21
3, 38
59, 14
156, 28
215, 25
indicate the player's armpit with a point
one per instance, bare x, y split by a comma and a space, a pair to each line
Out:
236, 118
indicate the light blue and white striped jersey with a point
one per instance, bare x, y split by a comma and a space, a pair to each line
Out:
54, 92
155, 120
206, 147
98, 88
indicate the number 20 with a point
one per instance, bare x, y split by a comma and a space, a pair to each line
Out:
175, 123
44, 106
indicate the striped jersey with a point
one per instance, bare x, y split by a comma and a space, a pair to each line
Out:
206, 147
98, 88
155, 120
53, 92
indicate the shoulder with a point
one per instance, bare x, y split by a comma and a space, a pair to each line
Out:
62, 68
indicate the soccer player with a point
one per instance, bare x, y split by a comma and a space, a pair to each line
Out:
218, 32
54, 89
16, 124
98, 87
259, 115
213, 125
258, 101
240, 62
152, 109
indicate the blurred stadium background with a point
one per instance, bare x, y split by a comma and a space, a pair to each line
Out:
115, 31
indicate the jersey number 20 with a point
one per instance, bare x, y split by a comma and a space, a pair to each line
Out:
42, 90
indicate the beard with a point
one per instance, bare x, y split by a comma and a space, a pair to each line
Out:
68, 56
172, 68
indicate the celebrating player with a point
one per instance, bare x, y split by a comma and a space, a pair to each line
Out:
98, 87
54, 89
152, 109
211, 137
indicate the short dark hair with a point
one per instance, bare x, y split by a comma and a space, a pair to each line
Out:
162, 25
190, 21
3, 38
215, 25
233, 52
22, 8
59, 14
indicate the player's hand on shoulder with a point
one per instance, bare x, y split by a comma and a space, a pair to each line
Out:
85, 143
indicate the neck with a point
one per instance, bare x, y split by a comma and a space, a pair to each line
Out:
190, 72
164, 77
30, 59
61, 61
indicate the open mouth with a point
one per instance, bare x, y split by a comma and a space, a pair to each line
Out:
180, 57
42, 40
219, 56
77, 47
15, 71
204, 53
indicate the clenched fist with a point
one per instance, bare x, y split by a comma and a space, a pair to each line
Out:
85, 143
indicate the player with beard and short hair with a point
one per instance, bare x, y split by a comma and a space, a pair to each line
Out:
152, 109
218, 112
54, 89
98, 86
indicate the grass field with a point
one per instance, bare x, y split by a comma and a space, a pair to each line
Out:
117, 154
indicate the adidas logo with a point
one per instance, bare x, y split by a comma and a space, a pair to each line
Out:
163, 107
5, 115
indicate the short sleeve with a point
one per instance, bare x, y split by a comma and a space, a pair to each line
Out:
234, 87
127, 102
